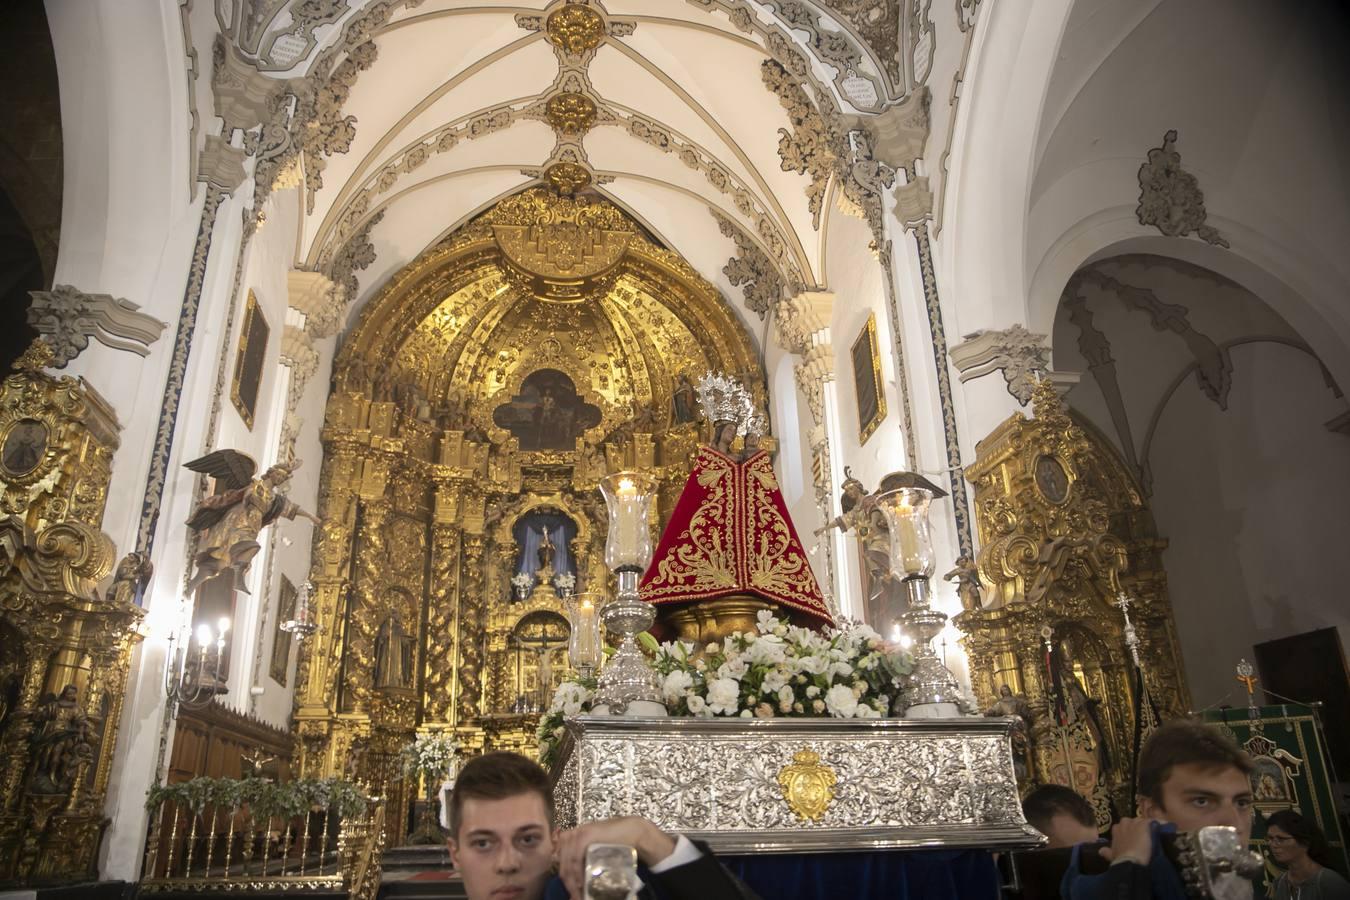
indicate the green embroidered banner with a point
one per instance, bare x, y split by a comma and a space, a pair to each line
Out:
1288, 751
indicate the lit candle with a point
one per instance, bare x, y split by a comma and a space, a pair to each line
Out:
628, 496
906, 511
586, 632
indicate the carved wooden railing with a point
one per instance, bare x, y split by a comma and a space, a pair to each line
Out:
198, 845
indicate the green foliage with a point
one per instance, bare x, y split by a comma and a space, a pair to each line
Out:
262, 798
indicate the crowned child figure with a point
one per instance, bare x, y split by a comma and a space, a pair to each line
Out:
730, 549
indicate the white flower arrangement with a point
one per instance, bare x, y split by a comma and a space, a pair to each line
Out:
564, 583
777, 670
522, 581
430, 755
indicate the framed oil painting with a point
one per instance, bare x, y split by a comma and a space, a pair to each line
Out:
248, 363
281, 640
548, 413
867, 381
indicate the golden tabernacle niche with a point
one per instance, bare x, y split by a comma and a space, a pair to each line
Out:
475, 404
1064, 532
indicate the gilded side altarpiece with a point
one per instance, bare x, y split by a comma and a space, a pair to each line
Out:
426, 475
64, 646
1064, 531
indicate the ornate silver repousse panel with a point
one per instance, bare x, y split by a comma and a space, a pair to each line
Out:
900, 783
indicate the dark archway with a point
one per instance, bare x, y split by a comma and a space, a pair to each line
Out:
30, 169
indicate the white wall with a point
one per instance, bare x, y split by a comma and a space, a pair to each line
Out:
1255, 499
1255, 503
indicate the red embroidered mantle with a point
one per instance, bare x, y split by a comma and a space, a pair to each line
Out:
730, 533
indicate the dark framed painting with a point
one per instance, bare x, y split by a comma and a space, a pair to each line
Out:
548, 413
248, 362
867, 380
281, 640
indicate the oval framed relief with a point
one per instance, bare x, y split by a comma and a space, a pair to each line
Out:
1052, 479
24, 447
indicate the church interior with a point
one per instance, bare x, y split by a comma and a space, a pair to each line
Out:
384, 379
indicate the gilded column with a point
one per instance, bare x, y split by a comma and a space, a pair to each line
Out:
472, 622
371, 555
16, 743
444, 595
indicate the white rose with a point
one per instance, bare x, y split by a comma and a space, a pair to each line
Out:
763, 711
697, 705
817, 706
723, 696
676, 683
813, 691
866, 712
841, 702
747, 714
785, 698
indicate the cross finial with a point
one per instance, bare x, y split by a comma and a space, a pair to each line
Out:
1246, 673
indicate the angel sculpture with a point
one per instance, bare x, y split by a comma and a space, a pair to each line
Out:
133, 575
228, 522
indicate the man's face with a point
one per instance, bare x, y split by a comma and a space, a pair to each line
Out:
504, 849
1064, 830
1196, 795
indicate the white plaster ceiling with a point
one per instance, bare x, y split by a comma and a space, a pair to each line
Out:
441, 62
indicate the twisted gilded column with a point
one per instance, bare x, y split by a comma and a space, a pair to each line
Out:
472, 621
442, 635
371, 554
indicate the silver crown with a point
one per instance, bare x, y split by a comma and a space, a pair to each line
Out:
724, 399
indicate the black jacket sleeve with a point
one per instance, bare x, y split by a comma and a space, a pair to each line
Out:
703, 879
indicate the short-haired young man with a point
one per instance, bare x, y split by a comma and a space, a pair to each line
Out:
1190, 776
1061, 814
503, 842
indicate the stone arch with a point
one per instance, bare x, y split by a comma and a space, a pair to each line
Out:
1269, 270
1228, 409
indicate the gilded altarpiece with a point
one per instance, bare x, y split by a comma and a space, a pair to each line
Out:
1064, 531
424, 476
65, 645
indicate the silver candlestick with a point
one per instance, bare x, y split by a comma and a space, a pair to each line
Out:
627, 683
933, 689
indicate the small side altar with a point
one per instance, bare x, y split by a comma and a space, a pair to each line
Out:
800, 785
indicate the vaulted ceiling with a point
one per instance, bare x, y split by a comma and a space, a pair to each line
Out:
720, 125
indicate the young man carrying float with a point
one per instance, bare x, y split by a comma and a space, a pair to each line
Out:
1190, 776
503, 842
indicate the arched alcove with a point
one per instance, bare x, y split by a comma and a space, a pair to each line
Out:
1230, 422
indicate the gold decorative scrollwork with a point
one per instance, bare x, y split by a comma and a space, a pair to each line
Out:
808, 785
570, 113
575, 29
65, 648
1064, 531
427, 467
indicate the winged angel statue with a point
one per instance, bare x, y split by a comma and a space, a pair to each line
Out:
228, 522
